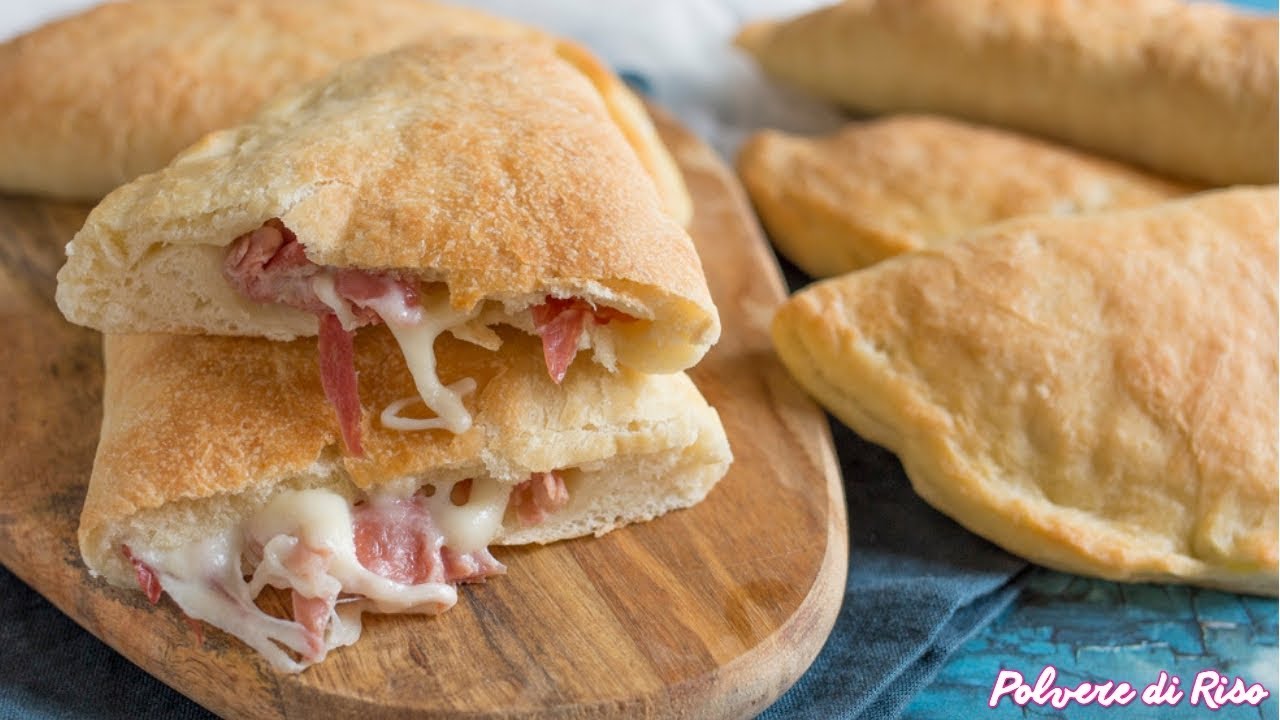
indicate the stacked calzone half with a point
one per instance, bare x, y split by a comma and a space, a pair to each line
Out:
456, 221
1097, 394
448, 187
219, 473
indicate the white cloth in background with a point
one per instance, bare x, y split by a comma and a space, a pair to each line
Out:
683, 48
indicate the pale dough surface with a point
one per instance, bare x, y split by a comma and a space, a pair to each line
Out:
875, 189
102, 96
1184, 88
1096, 394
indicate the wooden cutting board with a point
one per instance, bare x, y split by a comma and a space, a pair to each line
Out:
708, 612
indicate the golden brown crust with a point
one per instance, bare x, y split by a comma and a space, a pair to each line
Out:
1188, 89
491, 165
192, 421
629, 114
99, 98
1097, 394
875, 189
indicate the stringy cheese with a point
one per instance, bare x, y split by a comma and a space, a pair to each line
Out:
322, 285
415, 329
206, 580
474, 525
393, 420
417, 343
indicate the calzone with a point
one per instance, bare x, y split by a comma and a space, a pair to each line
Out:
1188, 89
98, 98
878, 188
218, 474
455, 185
1097, 394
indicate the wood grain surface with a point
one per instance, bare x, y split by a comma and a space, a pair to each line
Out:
708, 612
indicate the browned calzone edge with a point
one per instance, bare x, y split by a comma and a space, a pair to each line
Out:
490, 166
879, 188
1184, 88
454, 185
1096, 394
103, 96
216, 444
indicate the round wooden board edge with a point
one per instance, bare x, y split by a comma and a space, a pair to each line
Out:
748, 684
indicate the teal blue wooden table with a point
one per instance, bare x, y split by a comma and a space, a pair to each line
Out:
1095, 631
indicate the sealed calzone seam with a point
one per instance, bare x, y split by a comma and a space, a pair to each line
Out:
218, 475
447, 187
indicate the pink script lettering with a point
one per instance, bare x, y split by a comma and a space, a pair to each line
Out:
1012, 684
1213, 690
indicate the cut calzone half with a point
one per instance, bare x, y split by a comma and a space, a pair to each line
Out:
218, 475
103, 96
448, 187
1096, 394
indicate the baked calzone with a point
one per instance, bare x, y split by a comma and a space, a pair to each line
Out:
1097, 394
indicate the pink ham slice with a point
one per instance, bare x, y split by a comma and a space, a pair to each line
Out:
394, 537
539, 496
269, 265
560, 322
338, 376
313, 615
147, 579
397, 539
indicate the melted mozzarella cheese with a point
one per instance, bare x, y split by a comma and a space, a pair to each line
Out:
308, 544
322, 285
417, 344
321, 520
415, 329
205, 580
471, 526
392, 419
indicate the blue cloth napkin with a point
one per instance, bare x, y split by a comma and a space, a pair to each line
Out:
50, 669
919, 586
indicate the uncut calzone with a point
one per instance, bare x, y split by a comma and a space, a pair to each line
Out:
1097, 394
447, 187
1188, 89
883, 187
218, 474
100, 97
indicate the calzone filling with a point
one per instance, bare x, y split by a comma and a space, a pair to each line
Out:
269, 265
337, 559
